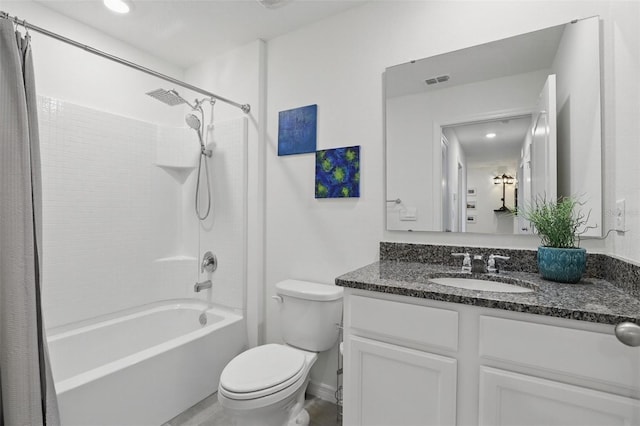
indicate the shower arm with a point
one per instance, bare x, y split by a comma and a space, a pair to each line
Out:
246, 108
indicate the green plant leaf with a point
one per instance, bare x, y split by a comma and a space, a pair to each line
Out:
558, 223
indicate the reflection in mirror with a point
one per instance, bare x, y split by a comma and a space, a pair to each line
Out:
481, 152
526, 108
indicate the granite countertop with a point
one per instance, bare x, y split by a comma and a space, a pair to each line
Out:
593, 300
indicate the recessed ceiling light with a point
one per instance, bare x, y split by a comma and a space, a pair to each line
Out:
490, 135
118, 6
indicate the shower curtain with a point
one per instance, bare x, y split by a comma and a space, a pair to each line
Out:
27, 395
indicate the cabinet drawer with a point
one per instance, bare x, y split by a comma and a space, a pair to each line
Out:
420, 324
584, 354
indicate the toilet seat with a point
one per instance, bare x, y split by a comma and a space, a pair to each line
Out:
262, 371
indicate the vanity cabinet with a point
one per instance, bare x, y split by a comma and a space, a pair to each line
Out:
412, 361
395, 385
392, 377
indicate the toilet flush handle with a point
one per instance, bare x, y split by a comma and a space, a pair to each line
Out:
277, 299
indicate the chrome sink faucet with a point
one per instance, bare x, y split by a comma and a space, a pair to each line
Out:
478, 265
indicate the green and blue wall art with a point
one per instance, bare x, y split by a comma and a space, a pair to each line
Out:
297, 129
338, 172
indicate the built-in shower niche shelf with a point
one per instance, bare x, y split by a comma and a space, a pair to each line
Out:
186, 169
179, 173
174, 154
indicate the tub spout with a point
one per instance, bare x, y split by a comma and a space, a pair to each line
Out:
202, 286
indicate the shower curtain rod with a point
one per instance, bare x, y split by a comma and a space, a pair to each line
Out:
244, 107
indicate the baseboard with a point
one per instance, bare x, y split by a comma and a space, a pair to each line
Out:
322, 391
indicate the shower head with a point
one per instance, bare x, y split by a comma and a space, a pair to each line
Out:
196, 124
169, 97
193, 121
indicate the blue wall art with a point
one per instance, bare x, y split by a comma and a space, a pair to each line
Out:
338, 172
297, 130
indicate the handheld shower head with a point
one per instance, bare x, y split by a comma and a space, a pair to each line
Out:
196, 124
193, 121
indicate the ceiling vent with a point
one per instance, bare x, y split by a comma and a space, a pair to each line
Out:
438, 79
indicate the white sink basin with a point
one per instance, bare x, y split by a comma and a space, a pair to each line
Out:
482, 285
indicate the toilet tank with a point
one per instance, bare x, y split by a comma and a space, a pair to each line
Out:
309, 313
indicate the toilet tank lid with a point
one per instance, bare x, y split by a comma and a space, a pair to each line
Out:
308, 290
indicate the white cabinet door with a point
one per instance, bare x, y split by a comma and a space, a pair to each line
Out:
512, 399
387, 384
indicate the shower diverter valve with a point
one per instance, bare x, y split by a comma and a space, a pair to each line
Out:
209, 262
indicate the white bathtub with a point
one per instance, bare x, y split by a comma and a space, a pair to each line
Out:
143, 366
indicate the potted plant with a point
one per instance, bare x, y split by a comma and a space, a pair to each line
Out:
559, 225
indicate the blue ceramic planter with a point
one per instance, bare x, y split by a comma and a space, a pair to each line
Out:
564, 265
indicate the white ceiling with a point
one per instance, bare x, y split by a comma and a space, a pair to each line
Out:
503, 151
185, 32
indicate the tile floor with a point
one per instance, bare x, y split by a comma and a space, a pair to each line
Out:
209, 413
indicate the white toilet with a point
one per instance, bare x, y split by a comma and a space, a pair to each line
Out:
266, 385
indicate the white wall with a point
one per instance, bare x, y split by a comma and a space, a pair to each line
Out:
338, 65
622, 179
413, 182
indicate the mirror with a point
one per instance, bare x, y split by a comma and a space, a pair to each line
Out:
475, 133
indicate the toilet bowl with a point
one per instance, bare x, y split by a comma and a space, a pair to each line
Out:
266, 385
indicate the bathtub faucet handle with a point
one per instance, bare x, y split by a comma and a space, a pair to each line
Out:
209, 262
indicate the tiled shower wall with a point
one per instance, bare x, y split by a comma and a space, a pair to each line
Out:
116, 226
